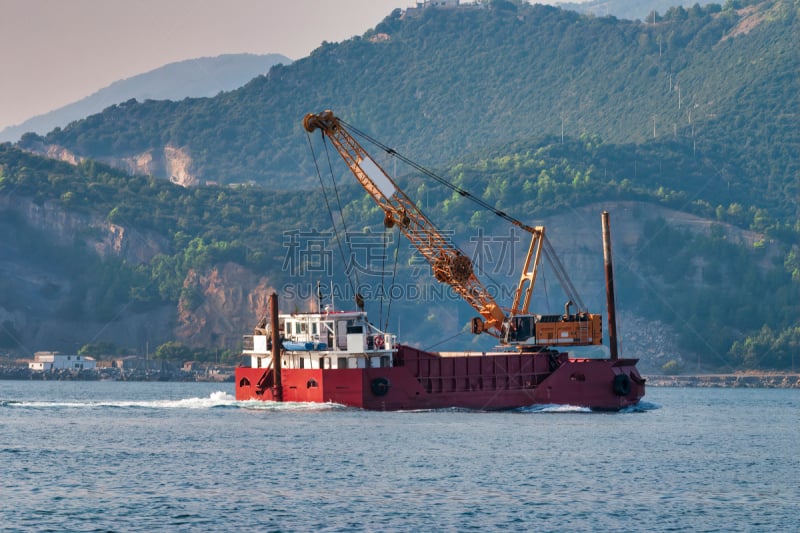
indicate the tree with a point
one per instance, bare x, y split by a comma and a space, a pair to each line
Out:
98, 349
173, 351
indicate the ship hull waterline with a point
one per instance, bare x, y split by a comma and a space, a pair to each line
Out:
423, 380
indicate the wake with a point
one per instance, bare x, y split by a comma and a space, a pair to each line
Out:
641, 407
216, 400
224, 400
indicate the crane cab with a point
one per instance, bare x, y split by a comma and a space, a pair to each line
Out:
578, 329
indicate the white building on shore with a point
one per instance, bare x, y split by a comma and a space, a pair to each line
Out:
56, 361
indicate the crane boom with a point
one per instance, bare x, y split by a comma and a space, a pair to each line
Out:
450, 265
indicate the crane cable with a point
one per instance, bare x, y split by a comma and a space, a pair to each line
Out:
561, 274
383, 272
344, 227
442, 341
549, 252
341, 212
433, 175
328, 206
394, 275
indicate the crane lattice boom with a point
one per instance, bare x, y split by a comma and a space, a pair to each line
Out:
450, 265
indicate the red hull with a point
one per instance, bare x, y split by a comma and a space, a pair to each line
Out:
422, 380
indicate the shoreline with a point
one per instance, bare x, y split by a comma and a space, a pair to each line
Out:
16, 373
763, 380
752, 380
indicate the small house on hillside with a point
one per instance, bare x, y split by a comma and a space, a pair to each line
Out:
438, 3
425, 4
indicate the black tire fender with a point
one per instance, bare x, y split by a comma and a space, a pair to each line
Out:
380, 386
622, 385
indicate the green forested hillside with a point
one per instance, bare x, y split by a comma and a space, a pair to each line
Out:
537, 110
204, 225
461, 80
250, 226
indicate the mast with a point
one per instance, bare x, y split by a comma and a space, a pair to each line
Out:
276, 345
612, 314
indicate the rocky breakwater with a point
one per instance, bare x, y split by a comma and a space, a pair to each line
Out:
738, 380
165, 372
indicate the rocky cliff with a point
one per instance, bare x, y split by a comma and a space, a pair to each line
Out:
38, 292
232, 299
91, 232
171, 162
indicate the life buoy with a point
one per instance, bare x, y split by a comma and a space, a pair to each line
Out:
380, 386
622, 385
378, 340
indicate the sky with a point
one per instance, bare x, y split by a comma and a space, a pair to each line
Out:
55, 52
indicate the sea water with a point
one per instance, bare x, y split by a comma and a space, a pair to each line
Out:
117, 456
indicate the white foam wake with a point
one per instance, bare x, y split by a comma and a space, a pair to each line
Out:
218, 399
215, 399
553, 408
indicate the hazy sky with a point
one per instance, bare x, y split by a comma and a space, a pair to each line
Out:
55, 52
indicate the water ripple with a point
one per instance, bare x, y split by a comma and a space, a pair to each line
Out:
189, 458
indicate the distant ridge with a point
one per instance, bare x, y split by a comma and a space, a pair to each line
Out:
205, 76
539, 68
626, 9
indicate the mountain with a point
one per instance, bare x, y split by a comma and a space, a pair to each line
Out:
205, 76
463, 79
683, 129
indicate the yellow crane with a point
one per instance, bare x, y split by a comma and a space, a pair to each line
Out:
512, 326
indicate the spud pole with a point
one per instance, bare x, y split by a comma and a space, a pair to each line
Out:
612, 313
276, 346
